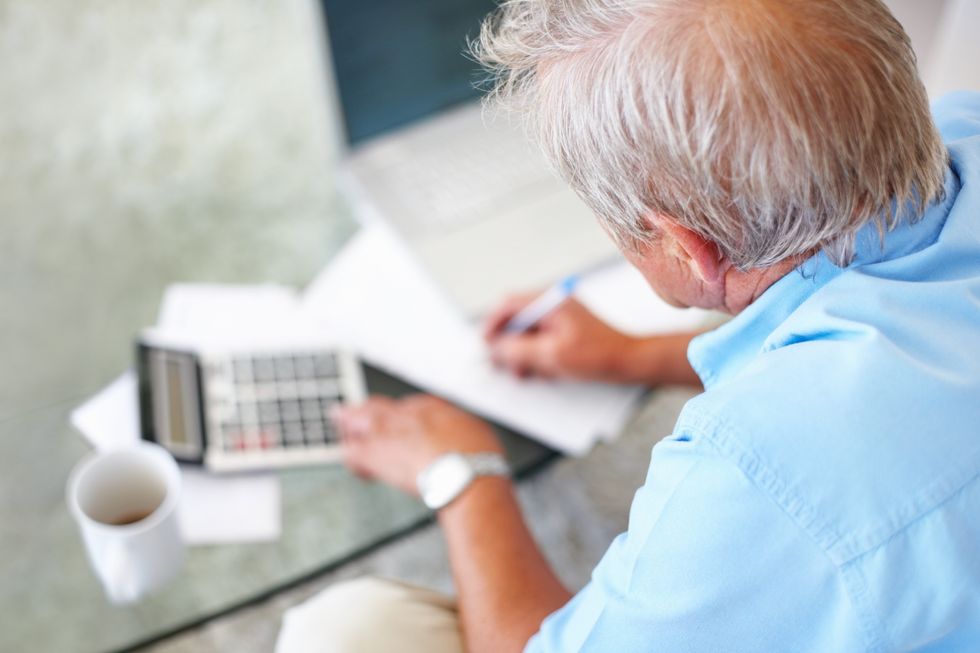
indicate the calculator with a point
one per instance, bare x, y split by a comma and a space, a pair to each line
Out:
239, 411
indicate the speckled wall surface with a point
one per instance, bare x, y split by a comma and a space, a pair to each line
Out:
161, 106
199, 125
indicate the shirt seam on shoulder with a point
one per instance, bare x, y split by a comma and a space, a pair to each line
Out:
871, 623
916, 520
924, 503
851, 572
718, 435
840, 549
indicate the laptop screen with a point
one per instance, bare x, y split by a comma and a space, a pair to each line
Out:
396, 61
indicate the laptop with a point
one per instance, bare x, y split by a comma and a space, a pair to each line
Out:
472, 198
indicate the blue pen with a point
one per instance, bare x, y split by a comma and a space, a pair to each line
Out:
549, 300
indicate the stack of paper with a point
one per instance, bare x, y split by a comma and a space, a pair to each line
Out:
376, 299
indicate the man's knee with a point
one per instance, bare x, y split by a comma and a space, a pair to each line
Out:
370, 614
338, 618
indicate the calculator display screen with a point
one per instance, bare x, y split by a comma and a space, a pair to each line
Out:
178, 432
176, 402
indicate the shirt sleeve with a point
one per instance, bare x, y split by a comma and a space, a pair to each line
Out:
709, 563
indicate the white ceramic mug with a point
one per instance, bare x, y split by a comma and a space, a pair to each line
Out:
125, 503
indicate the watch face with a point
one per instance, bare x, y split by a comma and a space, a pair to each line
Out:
447, 477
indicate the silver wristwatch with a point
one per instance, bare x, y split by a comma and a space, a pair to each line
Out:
448, 475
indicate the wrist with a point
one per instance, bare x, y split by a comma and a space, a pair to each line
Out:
452, 474
465, 442
483, 489
636, 360
659, 359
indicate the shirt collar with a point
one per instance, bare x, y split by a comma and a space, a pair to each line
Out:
721, 353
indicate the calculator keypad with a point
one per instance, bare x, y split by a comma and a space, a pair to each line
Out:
272, 403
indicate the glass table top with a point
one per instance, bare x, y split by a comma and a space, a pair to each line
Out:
76, 294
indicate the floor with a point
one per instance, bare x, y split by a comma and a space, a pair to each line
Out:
575, 508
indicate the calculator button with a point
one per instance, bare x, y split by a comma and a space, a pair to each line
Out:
327, 405
268, 412
242, 369
305, 369
289, 410
287, 389
230, 434
231, 412
265, 369
284, 368
269, 438
311, 410
315, 433
328, 388
266, 392
293, 433
306, 388
244, 393
325, 365
248, 412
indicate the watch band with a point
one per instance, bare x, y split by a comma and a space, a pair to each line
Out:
449, 475
487, 464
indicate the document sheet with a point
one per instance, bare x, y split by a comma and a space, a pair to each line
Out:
375, 298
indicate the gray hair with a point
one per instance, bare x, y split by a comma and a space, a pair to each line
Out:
772, 128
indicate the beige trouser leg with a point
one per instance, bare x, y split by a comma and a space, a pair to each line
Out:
372, 615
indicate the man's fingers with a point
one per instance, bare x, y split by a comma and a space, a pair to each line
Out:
363, 419
523, 354
357, 424
354, 458
419, 404
494, 324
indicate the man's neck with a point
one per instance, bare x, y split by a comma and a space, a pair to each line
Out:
744, 287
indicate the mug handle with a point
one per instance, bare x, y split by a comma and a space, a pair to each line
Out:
119, 583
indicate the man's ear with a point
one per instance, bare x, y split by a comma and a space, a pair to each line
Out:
701, 254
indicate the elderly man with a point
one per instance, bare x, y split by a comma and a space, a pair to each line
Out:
775, 159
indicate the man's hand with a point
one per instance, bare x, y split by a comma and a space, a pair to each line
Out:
393, 440
573, 343
570, 342
504, 583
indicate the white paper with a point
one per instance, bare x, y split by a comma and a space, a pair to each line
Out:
111, 419
376, 299
620, 295
213, 509
220, 317
227, 509
230, 308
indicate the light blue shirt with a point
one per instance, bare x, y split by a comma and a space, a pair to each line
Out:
823, 493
